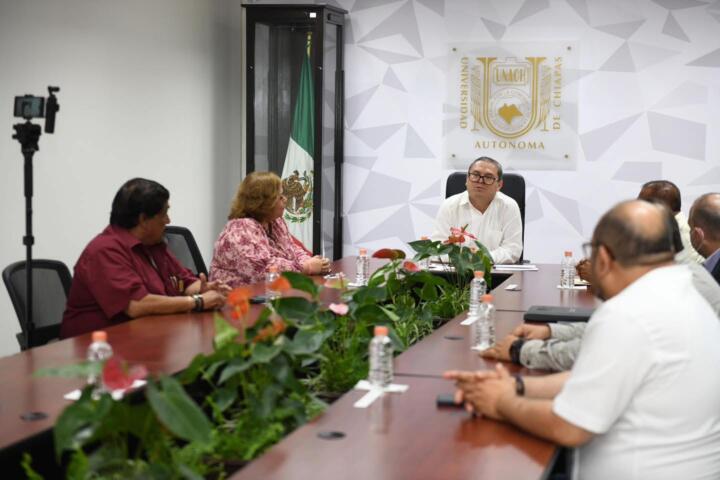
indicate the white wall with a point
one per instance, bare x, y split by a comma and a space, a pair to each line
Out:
152, 88
148, 89
649, 96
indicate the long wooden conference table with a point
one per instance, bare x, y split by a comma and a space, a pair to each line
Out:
398, 436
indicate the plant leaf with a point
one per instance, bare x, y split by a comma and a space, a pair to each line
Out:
306, 342
225, 333
264, 353
187, 473
224, 397
295, 308
178, 412
235, 366
27, 467
370, 295
391, 315
79, 466
77, 424
299, 281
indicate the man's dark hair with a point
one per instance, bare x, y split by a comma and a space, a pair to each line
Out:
135, 197
705, 214
664, 191
488, 160
636, 241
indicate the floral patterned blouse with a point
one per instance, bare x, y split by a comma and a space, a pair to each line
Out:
245, 250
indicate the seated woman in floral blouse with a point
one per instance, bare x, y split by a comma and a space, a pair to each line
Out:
256, 236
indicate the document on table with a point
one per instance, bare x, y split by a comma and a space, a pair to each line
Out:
524, 267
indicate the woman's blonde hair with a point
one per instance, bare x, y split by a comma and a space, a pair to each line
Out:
256, 196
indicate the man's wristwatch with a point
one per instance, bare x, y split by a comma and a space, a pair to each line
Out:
199, 302
515, 349
519, 386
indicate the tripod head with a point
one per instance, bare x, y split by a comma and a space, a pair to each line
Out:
29, 107
28, 135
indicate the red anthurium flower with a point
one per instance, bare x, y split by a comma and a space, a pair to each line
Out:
339, 308
385, 253
239, 302
462, 233
455, 239
280, 284
117, 375
389, 253
238, 296
411, 266
276, 327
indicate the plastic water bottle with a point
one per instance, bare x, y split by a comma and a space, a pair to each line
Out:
484, 327
478, 288
381, 358
424, 264
567, 271
362, 267
98, 351
271, 275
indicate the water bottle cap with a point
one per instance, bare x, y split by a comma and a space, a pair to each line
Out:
363, 251
479, 274
568, 253
381, 330
273, 268
99, 336
487, 298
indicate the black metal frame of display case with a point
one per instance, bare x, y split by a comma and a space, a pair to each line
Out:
299, 15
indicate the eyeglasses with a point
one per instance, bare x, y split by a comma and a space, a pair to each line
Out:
587, 249
486, 179
645, 259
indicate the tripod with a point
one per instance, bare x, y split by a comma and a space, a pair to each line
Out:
28, 135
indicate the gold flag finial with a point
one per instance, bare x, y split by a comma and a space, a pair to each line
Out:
309, 42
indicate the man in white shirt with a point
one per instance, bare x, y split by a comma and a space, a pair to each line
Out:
490, 215
642, 400
669, 194
705, 231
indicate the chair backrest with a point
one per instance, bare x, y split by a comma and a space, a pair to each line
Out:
182, 244
51, 287
513, 187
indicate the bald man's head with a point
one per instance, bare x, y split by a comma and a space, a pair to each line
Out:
636, 232
705, 214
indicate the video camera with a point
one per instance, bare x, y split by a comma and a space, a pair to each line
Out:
30, 106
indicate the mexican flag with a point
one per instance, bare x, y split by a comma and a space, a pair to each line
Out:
297, 175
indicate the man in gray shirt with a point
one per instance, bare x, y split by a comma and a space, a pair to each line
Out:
555, 346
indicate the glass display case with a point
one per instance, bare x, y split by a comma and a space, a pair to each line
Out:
280, 39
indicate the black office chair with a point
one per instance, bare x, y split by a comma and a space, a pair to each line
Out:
51, 287
513, 187
182, 244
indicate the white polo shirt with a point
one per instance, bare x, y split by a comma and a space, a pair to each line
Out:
499, 228
646, 383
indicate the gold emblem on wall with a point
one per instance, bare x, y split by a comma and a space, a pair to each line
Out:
510, 97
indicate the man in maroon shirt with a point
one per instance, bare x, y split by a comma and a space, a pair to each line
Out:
127, 270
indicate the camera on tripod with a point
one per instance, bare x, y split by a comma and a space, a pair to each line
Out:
28, 134
30, 106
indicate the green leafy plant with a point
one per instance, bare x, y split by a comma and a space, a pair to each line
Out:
262, 380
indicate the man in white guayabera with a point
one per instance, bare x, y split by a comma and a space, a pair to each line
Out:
641, 401
490, 215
